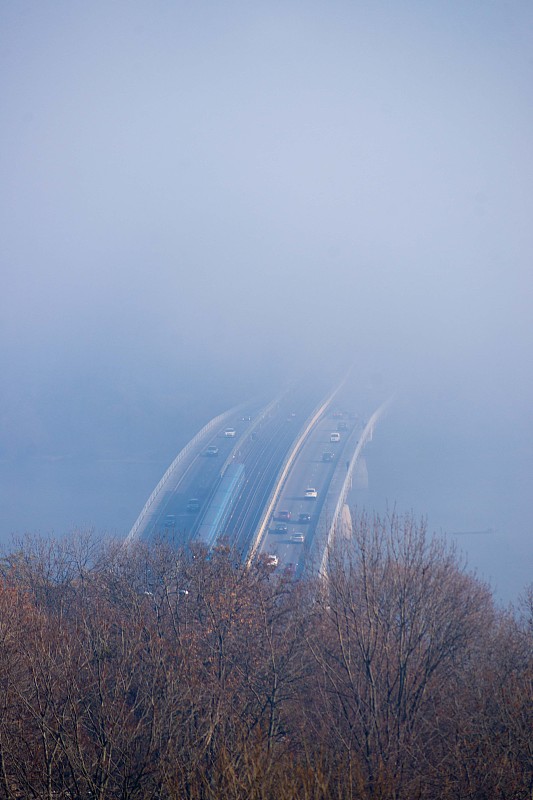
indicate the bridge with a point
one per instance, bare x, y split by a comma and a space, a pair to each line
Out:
270, 479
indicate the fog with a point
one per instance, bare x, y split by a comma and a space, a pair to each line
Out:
198, 200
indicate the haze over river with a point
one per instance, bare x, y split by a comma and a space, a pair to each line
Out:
468, 475
199, 200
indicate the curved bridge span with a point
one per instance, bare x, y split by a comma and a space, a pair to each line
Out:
269, 479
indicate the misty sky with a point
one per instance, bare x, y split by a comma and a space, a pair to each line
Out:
197, 190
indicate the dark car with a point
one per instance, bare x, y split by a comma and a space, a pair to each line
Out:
328, 456
193, 504
304, 517
283, 515
281, 527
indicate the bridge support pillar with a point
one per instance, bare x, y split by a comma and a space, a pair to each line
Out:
360, 474
345, 526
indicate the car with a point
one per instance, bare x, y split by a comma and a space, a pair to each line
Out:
212, 450
298, 536
304, 517
281, 528
272, 560
246, 418
170, 520
283, 515
230, 433
342, 426
327, 456
311, 494
334, 437
193, 504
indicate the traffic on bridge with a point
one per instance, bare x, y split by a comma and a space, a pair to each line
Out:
266, 480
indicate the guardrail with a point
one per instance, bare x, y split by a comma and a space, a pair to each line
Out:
284, 471
343, 494
179, 458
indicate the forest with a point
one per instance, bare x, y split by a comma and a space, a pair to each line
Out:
154, 672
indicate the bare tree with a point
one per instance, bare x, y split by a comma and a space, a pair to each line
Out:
398, 612
146, 672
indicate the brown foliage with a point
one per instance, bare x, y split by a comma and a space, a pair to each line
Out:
146, 672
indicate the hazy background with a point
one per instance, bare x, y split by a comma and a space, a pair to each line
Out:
198, 198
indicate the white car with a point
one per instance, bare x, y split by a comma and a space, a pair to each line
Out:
297, 537
272, 560
230, 433
334, 437
311, 494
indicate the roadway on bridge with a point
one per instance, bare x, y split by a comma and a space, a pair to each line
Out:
260, 439
173, 516
263, 462
289, 536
